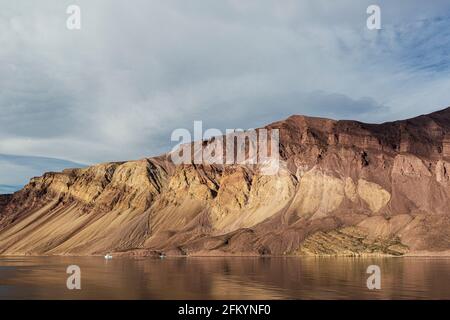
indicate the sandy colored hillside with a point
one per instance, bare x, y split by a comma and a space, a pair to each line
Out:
344, 188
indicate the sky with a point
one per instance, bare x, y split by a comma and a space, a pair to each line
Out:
137, 70
15, 171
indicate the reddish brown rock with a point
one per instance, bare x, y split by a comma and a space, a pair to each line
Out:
344, 187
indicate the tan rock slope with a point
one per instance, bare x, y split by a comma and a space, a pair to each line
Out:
344, 188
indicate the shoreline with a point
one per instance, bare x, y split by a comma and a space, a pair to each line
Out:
418, 254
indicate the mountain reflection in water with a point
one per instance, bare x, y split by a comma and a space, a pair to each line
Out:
224, 278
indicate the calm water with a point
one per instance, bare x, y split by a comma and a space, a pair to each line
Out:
224, 278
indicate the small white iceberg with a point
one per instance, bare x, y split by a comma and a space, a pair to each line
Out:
108, 256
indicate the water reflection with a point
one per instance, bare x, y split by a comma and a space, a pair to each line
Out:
224, 278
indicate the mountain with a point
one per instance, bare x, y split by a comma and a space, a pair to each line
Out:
343, 188
15, 170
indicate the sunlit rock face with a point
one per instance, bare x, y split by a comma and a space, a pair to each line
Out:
342, 188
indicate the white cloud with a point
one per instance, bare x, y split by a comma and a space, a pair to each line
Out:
117, 88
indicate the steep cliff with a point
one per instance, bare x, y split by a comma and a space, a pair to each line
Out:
343, 187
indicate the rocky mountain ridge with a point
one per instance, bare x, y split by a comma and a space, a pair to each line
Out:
343, 188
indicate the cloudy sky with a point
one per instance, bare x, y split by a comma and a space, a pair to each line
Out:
137, 70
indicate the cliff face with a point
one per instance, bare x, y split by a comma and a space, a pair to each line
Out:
343, 187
